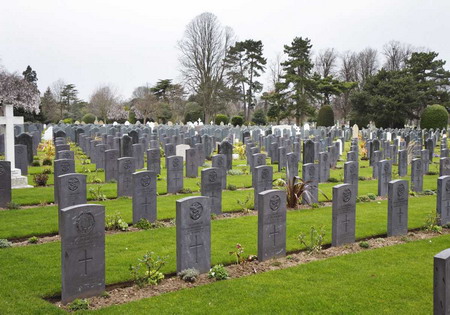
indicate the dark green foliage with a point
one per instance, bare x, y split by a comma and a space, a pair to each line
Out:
434, 116
259, 118
237, 121
88, 118
47, 162
78, 305
36, 163
326, 116
221, 118
47, 171
193, 112
40, 179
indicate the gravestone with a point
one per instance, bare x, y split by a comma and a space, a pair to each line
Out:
352, 156
26, 139
71, 192
126, 146
397, 207
308, 152
169, 150
180, 150
66, 154
134, 136
226, 148
282, 160
138, 155
219, 161
444, 166
5, 183
275, 153
324, 167
200, 153
416, 175
424, 155
144, 196
82, 251
21, 158
193, 233
376, 157
111, 170
191, 163
343, 215
292, 166
443, 200
61, 167
100, 156
384, 176
211, 186
271, 224
402, 163
351, 175
441, 283
174, 174
262, 178
126, 166
154, 160
310, 173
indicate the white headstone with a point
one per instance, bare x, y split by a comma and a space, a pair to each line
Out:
127, 123
388, 136
306, 126
180, 150
340, 146
355, 131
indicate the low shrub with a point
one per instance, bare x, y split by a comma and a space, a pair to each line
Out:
235, 172
40, 179
78, 305
185, 191
12, 205
315, 241
143, 224
221, 118
146, 271
237, 121
33, 240
36, 163
364, 244
333, 180
434, 116
88, 118
115, 222
371, 196
189, 275
4, 243
47, 162
218, 272
47, 171
231, 187
325, 117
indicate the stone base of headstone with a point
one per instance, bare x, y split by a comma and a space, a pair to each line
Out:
18, 181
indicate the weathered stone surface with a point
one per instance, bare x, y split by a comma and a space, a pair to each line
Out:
292, 166
211, 186
402, 163
111, 165
397, 207
416, 175
125, 167
82, 251
219, 161
5, 183
126, 146
61, 167
138, 154
384, 176
324, 167
71, 192
26, 139
308, 152
344, 215
193, 233
174, 174
192, 163
66, 154
154, 160
226, 148
444, 166
144, 196
310, 172
351, 174
20, 157
441, 280
443, 200
271, 224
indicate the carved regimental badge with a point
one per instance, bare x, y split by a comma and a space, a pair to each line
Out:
85, 223
275, 203
196, 211
145, 180
346, 195
73, 184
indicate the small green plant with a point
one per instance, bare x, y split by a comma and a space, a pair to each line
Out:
143, 224
185, 191
315, 241
96, 193
40, 179
239, 254
4, 243
371, 196
12, 205
189, 275
105, 295
78, 305
146, 271
413, 193
47, 162
94, 178
333, 180
362, 178
235, 172
115, 222
276, 263
431, 223
36, 163
33, 240
362, 199
364, 244
218, 272
47, 171
244, 203
231, 187
315, 205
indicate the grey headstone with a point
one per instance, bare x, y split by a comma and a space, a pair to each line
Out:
351, 174
61, 167
111, 170
82, 251
262, 178
416, 175
26, 139
66, 154
376, 157
219, 161
310, 173
344, 214
5, 183
271, 224
211, 186
126, 146
308, 151
192, 163
324, 167
193, 234
402, 163
154, 160
384, 176
126, 166
138, 154
443, 200
226, 148
144, 196
174, 174
441, 286
71, 192
292, 166
444, 166
397, 207
282, 160
20, 157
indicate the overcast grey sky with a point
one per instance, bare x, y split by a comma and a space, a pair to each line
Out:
129, 43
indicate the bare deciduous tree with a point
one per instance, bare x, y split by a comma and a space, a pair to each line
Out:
103, 98
275, 70
203, 49
368, 64
146, 105
396, 55
326, 62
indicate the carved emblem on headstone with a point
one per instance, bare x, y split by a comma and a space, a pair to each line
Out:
73, 184
265, 174
311, 172
175, 163
325, 157
352, 170
127, 164
85, 223
212, 176
260, 160
386, 168
346, 195
65, 166
220, 162
447, 186
400, 190
419, 165
196, 211
275, 203
145, 180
